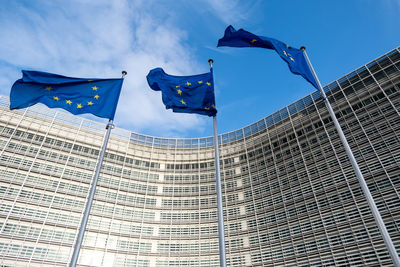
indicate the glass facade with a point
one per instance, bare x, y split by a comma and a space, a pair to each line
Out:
290, 195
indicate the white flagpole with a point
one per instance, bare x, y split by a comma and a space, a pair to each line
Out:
361, 180
89, 202
221, 230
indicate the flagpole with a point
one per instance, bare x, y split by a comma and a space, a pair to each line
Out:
89, 202
361, 180
221, 230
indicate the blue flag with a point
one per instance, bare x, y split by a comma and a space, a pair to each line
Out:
294, 57
76, 95
185, 94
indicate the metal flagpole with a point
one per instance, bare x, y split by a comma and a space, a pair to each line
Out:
89, 202
221, 230
361, 180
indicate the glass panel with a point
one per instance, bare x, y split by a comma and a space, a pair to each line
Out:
225, 138
195, 143
172, 143
141, 139
284, 113
164, 142
149, 140
158, 141
209, 141
344, 82
276, 116
261, 125
269, 120
300, 105
203, 142
239, 134
254, 128
373, 67
292, 109
179, 143
232, 136
394, 56
307, 100
316, 95
384, 61
353, 77
363, 72
247, 131
188, 143
334, 87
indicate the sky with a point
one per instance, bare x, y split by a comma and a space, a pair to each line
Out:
99, 39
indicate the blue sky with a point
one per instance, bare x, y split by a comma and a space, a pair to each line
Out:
100, 38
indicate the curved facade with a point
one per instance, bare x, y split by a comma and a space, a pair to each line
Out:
290, 195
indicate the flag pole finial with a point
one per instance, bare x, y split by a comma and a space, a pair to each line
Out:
303, 48
124, 73
210, 61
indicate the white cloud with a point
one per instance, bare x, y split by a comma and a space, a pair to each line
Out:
99, 39
232, 11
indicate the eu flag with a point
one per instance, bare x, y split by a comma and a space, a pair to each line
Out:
76, 95
294, 57
185, 94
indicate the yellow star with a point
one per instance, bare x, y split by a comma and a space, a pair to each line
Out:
90, 103
287, 46
285, 52
69, 102
253, 41
90, 81
188, 83
183, 102
48, 88
96, 96
79, 106
56, 98
95, 88
213, 106
291, 59
177, 86
209, 84
200, 82
207, 108
179, 92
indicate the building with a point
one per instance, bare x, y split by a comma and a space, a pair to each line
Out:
291, 197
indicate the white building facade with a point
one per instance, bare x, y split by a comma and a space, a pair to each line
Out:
290, 195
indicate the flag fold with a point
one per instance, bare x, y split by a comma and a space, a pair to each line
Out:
292, 56
76, 95
185, 94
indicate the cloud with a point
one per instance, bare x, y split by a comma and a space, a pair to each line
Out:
232, 11
99, 39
